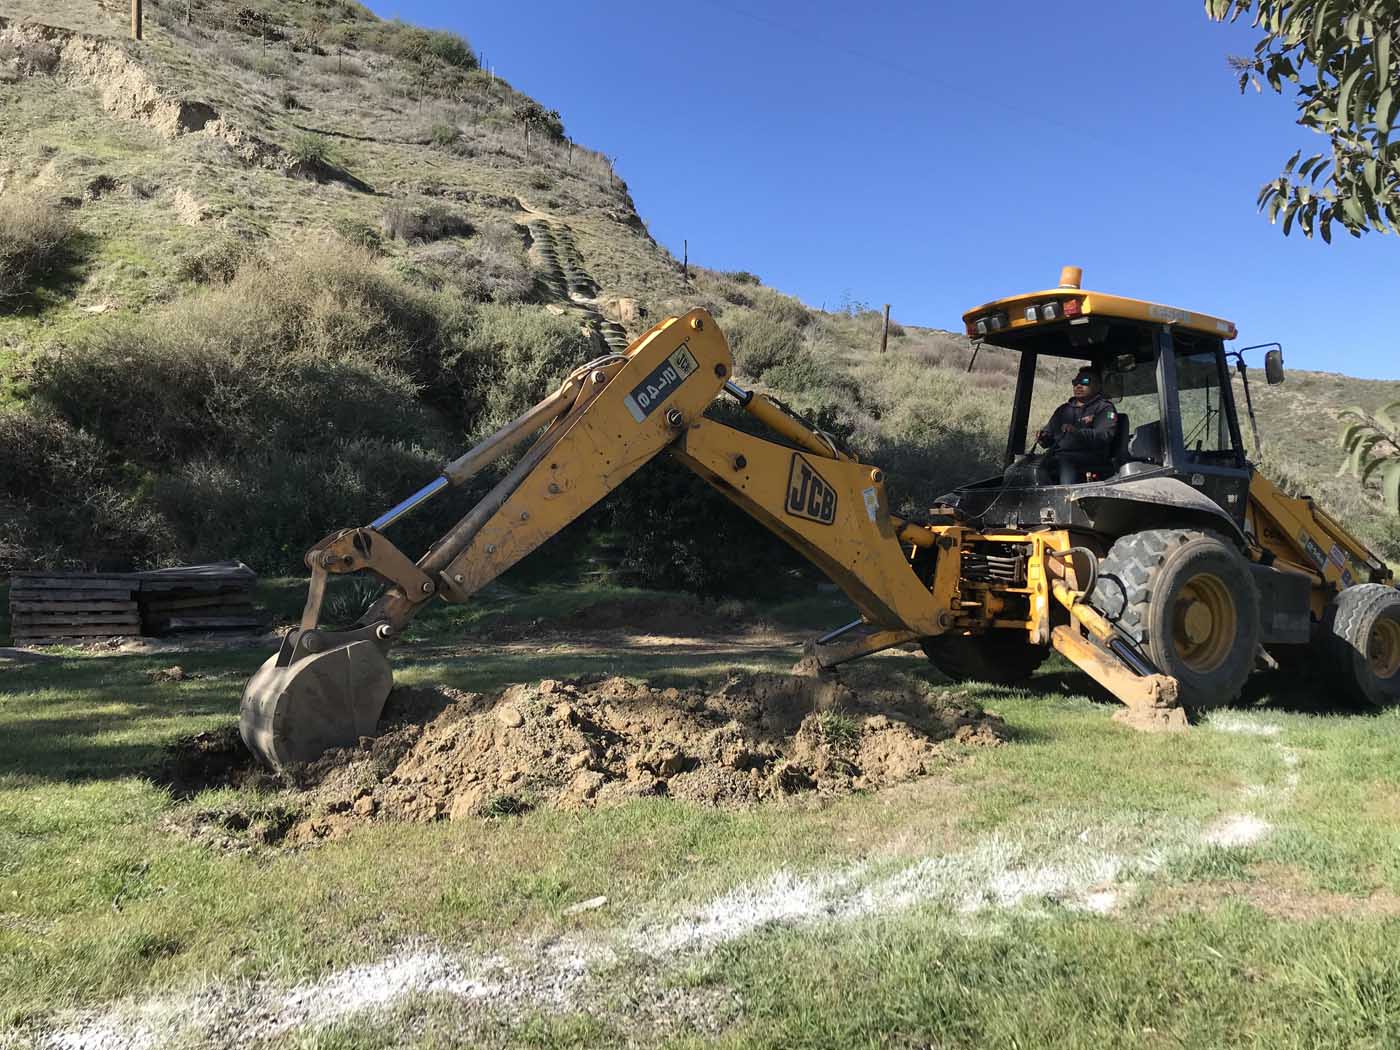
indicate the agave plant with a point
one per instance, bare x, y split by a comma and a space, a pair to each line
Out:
1371, 441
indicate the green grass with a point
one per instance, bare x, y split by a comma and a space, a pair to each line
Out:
99, 901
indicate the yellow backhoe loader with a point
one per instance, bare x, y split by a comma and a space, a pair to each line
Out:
1168, 575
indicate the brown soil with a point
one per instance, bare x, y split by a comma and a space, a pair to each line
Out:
443, 754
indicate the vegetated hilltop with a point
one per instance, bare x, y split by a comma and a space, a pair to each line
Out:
263, 272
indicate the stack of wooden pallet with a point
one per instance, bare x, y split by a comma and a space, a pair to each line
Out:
63, 606
215, 597
68, 606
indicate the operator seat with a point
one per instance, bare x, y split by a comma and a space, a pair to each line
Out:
1143, 450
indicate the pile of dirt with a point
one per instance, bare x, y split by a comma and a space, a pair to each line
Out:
445, 754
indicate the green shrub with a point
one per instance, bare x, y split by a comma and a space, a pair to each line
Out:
506, 357
761, 342
216, 262
444, 135
492, 267
360, 234
423, 225
251, 418
36, 237
63, 499
313, 152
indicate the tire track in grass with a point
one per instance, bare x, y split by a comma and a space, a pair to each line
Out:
1059, 863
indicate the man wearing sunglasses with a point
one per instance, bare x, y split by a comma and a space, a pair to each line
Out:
1079, 436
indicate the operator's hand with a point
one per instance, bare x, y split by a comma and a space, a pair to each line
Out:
1068, 428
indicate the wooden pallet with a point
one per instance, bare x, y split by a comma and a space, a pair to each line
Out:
54, 606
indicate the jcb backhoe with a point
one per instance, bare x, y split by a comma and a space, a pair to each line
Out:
1168, 575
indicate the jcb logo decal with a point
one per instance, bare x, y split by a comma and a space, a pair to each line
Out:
809, 496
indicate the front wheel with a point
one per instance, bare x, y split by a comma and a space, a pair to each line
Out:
1187, 599
1361, 634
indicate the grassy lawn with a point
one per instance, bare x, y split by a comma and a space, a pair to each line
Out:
1251, 870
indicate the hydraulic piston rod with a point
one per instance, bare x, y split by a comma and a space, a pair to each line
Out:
464, 467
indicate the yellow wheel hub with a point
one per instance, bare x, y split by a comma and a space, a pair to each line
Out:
1204, 623
1383, 648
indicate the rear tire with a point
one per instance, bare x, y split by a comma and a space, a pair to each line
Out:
1361, 637
1187, 599
1000, 657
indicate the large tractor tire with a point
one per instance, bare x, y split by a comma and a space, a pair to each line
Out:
1187, 599
1361, 636
1002, 657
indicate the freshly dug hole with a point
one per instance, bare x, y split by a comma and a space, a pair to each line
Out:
444, 754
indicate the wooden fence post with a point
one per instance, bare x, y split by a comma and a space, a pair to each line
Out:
685, 259
135, 19
885, 331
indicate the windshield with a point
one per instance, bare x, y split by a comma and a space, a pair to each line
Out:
1205, 427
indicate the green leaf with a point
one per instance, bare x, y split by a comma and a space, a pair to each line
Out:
1288, 168
1389, 417
1355, 212
1351, 434
1390, 486
1376, 464
1383, 110
1348, 86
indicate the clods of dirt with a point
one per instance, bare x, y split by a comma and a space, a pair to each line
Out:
583, 743
172, 674
444, 754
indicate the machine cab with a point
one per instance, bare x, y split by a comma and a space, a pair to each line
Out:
1163, 368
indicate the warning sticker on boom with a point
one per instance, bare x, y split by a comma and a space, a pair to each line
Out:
647, 395
1314, 549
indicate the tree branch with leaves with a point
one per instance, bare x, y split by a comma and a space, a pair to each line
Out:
1371, 441
1343, 56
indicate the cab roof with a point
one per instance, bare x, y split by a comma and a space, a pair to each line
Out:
1069, 304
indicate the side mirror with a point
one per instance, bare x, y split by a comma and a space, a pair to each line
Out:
1273, 367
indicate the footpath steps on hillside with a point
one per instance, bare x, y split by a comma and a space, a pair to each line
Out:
562, 273
49, 607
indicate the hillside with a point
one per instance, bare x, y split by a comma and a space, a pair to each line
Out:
285, 259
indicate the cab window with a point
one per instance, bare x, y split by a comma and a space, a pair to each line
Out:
1205, 426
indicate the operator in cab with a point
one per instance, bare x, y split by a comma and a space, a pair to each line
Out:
1079, 436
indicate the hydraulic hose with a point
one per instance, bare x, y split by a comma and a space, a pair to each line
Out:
1093, 566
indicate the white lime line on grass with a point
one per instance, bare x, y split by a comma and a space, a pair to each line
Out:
1247, 829
1061, 862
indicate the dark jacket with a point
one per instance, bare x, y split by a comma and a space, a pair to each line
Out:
1094, 423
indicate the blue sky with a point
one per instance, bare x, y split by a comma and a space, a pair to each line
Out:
937, 155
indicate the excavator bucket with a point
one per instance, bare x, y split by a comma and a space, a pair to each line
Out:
299, 705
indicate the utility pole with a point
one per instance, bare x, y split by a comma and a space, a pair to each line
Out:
685, 259
135, 19
885, 331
